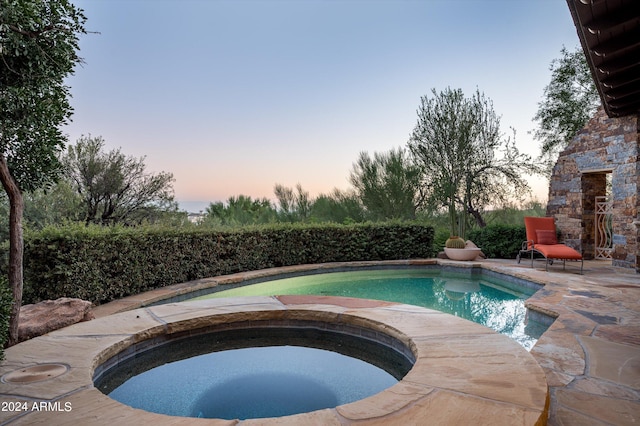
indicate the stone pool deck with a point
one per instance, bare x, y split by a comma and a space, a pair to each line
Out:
590, 355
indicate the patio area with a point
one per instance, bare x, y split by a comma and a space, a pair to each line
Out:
590, 355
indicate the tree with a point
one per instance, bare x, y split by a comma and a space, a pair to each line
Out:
53, 205
569, 100
294, 206
337, 207
38, 50
115, 188
388, 184
466, 163
240, 210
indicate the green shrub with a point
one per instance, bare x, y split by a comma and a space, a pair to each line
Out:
499, 241
103, 264
6, 301
440, 239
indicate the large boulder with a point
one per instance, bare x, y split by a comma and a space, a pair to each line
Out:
49, 315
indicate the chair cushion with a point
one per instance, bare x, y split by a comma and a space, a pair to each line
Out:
558, 251
546, 236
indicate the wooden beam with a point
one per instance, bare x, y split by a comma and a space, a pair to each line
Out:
625, 91
630, 59
620, 79
618, 44
624, 14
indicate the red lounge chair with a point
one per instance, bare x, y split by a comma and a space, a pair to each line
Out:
542, 238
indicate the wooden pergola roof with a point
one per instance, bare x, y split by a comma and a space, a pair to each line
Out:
609, 31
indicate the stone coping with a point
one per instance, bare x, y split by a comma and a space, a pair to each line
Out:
195, 288
590, 354
464, 373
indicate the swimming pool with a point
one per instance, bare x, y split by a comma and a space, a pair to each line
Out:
482, 298
462, 370
488, 300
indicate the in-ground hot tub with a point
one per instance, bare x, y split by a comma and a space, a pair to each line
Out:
259, 369
463, 372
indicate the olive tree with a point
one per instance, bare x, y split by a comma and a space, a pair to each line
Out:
569, 100
115, 188
466, 163
38, 50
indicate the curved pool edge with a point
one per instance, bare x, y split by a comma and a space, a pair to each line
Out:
464, 373
184, 291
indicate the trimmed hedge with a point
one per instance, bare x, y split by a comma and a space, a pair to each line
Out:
103, 264
499, 241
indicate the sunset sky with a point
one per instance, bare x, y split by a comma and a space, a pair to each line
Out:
233, 97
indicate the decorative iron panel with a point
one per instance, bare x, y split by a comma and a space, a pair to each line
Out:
604, 228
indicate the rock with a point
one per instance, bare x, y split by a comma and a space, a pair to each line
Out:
471, 244
49, 315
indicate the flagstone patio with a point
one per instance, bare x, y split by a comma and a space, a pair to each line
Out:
590, 356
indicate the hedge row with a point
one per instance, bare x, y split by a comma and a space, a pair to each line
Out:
103, 264
499, 241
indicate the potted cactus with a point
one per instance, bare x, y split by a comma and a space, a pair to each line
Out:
455, 247
454, 241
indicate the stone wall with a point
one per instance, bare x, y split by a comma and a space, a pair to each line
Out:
605, 146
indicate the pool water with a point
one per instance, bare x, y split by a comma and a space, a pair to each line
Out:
266, 371
489, 301
254, 373
254, 383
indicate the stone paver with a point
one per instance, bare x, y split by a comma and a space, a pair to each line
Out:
451, 379
590, 355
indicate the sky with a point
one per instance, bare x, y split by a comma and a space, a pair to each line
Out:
233, 97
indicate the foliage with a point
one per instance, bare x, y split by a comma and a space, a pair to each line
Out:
59, 204
514, 215
440, 238
506, 217
466, 162
38, 50
101, 264
293, 206
56, 204
240, 211
499, 241
338, 207
569, 100
6, 301
388, 185
115, 188
440, 143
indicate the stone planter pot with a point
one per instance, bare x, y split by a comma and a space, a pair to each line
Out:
462, 253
